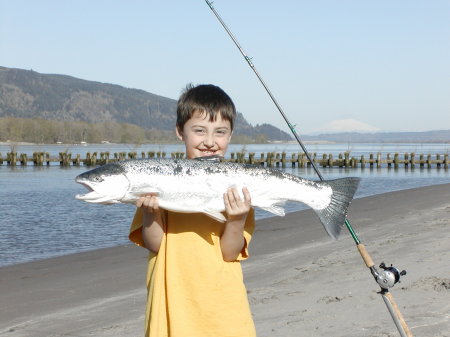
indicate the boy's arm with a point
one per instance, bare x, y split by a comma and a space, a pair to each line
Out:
152, 223
232, 240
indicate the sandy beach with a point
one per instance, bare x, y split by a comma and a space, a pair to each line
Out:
299, 281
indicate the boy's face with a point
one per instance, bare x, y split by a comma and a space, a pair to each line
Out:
205, 138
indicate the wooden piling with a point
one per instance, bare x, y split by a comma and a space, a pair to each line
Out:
303, 160
378, 160
324, 160
87, 161
261, 161
94, 159
293, 160
341, 161
38, 158
283, 160
251, 158
413, 160
277, 159
11, 158
64, 158
347, 159
396, 160
23, 159
269, 159
77, 160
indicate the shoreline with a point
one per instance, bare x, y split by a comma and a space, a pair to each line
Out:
293, 142
297, 278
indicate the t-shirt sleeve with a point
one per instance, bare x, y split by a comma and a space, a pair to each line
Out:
135, 234
248, 233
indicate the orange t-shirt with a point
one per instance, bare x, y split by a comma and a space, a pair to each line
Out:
192, 291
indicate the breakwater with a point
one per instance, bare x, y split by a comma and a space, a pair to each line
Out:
268, 159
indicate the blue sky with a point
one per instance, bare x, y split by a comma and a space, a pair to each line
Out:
384, 63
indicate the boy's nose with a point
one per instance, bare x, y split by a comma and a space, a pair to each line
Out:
209, 141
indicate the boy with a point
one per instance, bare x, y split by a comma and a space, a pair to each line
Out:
194, 280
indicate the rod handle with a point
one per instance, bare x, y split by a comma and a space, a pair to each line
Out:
388, 296
365, 255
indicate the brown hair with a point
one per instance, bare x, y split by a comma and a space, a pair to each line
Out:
204, 98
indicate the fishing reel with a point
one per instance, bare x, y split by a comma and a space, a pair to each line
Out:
388, 277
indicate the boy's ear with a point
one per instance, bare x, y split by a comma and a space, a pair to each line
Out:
179, 133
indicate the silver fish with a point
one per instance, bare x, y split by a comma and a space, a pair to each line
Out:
198, 185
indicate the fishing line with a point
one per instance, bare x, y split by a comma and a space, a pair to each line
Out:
250, 63
390, 275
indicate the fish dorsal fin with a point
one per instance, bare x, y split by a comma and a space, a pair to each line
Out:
213, 158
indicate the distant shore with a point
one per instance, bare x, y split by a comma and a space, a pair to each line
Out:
308, 142
299, 281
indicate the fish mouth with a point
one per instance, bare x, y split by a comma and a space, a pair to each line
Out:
92, 196
105, 190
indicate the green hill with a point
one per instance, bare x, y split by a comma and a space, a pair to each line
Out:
28, 94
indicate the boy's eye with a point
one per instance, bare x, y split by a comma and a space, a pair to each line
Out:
199, 131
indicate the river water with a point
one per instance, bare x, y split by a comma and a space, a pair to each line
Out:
40, 218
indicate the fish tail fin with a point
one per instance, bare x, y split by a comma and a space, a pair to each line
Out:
333, 216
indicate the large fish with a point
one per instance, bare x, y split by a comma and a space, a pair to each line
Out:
198, 185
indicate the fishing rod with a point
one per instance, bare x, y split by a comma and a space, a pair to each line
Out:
390, 275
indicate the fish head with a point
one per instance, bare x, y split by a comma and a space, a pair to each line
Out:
108, 184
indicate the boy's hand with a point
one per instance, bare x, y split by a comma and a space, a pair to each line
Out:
148, 202
152, 224
232, 240
235, 207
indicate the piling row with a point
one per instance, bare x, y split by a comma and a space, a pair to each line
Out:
271, 159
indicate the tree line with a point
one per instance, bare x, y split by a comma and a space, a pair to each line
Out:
16, 129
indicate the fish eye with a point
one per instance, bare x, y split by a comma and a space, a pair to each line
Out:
98, 178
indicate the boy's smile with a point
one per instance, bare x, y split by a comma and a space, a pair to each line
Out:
203, 137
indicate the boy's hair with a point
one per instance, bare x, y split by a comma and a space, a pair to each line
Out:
205, 98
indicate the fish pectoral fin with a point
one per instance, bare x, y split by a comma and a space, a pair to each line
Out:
214, 214
274, 209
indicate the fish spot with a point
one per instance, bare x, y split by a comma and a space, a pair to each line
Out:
178, 169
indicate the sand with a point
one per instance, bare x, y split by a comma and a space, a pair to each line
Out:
300, 282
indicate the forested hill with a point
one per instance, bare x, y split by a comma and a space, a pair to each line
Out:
28, 94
